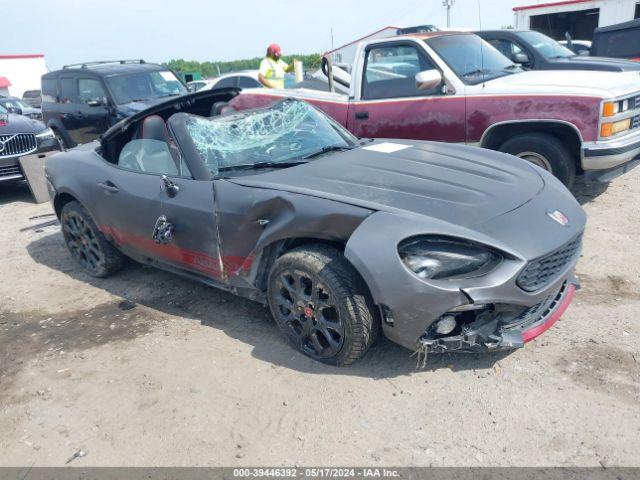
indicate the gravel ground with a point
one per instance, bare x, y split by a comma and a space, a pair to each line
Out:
146, 368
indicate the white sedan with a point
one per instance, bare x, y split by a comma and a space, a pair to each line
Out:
245, 79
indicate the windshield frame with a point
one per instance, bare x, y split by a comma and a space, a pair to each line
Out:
509, 68
179, 125
527, 38
108, 80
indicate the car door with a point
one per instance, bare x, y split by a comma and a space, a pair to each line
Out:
68, 107
150, 194
83, 107
227, 82
245, 81
391, 106
94, 107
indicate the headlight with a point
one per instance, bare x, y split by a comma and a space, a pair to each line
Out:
609, 129
46, 134
609, 109
440, 257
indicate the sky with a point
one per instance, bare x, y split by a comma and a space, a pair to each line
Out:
73, 31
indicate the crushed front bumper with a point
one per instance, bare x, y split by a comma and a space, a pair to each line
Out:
499, 327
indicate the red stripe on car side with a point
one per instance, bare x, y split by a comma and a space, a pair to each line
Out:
529, 335
200, 261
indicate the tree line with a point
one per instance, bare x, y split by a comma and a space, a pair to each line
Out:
213, 69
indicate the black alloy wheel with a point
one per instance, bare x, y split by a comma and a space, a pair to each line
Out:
87, 244
322, 305
305, 306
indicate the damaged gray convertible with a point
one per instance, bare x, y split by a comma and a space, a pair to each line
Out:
440, 247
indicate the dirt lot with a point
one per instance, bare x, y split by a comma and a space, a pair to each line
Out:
146, 368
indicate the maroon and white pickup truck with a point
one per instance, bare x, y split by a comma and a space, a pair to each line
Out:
454, 87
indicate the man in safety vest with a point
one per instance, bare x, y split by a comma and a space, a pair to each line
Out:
273, 68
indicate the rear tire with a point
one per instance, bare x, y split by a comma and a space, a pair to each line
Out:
322, 305
546, 151
86, 243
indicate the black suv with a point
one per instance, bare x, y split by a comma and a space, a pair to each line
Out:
535, 51
82, 101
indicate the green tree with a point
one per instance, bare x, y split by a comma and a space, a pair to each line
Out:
211, 69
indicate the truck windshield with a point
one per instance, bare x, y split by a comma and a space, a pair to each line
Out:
472, 59
137, 87
545, 46
284, 134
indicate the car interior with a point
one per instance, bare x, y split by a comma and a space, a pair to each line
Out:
153, 152
146, 145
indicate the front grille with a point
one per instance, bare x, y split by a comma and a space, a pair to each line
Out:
536, 313
17, 144
542, 271
9, 171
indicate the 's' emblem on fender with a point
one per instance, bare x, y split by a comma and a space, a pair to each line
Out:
559, 217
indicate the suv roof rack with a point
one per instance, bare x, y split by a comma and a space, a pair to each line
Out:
104, 62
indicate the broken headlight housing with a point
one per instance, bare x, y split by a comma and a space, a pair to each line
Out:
435, 257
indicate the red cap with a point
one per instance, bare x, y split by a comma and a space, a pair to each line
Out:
273, 49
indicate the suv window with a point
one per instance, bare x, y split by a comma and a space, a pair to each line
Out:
228, 82
69, 90
90, 89
248, 82
49, 90
141, 86
390, 72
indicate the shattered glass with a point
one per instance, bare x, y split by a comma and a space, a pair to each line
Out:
288, 130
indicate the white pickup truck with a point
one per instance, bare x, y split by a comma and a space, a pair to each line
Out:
454, 87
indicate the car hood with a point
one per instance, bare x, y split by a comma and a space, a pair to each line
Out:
12, 123
454, 183
565, 82
604, 63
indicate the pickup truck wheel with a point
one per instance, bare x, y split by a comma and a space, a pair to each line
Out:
544, 151
321, 305
86, 243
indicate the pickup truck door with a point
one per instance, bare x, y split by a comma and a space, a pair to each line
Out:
389, 104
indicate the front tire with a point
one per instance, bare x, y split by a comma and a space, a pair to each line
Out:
321, 305
545, 151
86, 243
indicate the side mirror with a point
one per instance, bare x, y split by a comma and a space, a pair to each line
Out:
97, 102
16, 110
521, 58
583, 53
428, 79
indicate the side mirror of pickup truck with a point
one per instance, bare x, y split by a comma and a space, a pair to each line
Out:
520, 58
428, 79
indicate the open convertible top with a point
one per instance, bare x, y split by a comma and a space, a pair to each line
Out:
197, 103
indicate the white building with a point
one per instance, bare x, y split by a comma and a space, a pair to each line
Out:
23, 72
578, 17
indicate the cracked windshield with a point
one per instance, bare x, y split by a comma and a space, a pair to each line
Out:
287, 134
